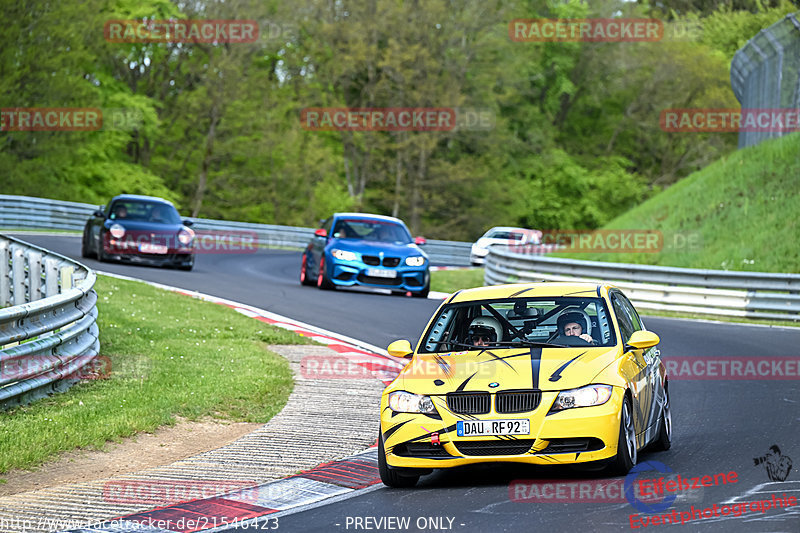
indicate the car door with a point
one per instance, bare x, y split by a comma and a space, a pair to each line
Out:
652, 360
638, 372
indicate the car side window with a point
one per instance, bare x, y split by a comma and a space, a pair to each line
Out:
626, 328
636, 322
327, 225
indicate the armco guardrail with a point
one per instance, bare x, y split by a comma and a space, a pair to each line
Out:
25, 212
711, 292
765, 73
48, 315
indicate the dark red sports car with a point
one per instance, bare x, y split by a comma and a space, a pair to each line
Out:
139, 229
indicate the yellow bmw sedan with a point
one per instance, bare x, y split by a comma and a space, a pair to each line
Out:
540, 373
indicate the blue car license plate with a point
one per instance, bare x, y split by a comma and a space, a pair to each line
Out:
381, 273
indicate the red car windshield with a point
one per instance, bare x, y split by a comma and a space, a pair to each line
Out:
143, 211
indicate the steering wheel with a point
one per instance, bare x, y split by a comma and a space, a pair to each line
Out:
570, 340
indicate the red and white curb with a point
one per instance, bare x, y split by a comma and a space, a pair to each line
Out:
255, 507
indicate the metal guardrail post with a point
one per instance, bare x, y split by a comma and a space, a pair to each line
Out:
50, 333
710, 292
765, 73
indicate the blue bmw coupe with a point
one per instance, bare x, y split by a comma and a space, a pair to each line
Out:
368, 250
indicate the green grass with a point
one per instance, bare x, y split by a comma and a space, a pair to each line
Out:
454, 280
743, 209
171, 356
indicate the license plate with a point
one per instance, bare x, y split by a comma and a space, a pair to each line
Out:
148, 248
479, 428
381, 273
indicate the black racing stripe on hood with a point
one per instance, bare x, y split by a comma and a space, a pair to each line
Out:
536, 361
443, 364
501, 359
555, 376
389, 432
464, 384
520, 354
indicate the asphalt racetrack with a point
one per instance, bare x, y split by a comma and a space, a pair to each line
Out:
720, 426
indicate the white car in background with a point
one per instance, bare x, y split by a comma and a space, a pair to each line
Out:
503, 236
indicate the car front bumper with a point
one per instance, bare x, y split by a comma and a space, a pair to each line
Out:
350, 273
122, 251
554, 439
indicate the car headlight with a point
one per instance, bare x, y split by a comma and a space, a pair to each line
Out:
344, 255
583, 397
405, 402
117, 231
415, 261
185, 236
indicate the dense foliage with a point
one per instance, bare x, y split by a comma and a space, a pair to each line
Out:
575, 140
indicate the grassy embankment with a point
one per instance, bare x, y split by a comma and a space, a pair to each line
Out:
170, 356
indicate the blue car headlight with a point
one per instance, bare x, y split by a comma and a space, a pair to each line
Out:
344, 255
415, 261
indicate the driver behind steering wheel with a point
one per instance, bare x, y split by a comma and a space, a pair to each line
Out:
484, 330
572, 323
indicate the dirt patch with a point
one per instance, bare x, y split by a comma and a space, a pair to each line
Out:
146, 450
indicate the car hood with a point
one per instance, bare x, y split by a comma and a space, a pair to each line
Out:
153, 227
389, 249
505, 369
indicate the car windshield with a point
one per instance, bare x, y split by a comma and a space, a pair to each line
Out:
512, 322
510, 235
144, 211
371, 230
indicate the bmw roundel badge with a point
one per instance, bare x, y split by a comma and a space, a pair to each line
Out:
494, 384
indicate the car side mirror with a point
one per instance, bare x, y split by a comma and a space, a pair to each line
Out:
642, 339
188, 223
419, 241
400, 348
98, 213
321, 233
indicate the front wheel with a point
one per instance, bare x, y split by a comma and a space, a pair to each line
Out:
304, 278
423, 293
101, 255
664, 440
322, 279
85, 251
626, 444
391, 477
